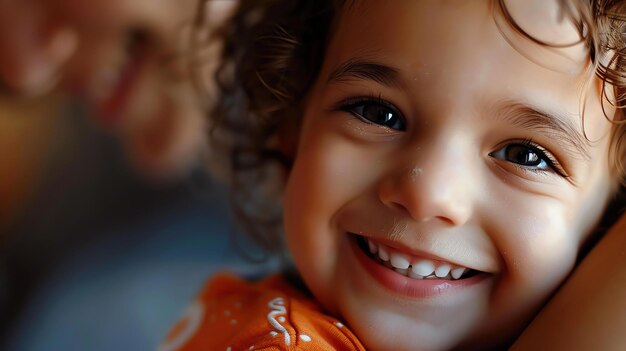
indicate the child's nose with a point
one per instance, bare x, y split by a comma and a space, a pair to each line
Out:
434, 184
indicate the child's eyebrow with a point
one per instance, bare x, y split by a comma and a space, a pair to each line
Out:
554, 126
559, 128
360, 68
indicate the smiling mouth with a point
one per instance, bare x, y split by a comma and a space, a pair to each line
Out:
418, 268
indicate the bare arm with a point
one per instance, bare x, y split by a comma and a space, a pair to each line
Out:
589, 312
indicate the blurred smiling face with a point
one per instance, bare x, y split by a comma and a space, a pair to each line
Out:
124, 67
125, 59
443, 184
97, 47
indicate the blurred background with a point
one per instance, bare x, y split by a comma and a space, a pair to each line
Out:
109, 220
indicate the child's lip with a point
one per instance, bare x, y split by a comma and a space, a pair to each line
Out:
398, 283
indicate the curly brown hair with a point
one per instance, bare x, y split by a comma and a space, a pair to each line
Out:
272, 53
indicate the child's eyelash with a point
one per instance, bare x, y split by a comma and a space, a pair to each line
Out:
350, 102
552, 162
347, 105
373, 110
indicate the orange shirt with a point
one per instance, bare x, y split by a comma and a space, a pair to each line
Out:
232, 314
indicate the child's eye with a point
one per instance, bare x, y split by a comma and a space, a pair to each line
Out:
529, 156
376, 111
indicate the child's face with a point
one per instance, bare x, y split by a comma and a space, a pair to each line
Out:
482, 164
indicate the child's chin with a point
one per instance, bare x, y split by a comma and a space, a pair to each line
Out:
386, 319
388, 326
388, 331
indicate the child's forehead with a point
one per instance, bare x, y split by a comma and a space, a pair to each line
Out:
469, 60
435, 44
464, 28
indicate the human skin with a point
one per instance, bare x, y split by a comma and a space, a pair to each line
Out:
445, 179
587, 312
118, 57
74, 41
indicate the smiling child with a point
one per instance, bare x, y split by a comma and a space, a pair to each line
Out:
444, 162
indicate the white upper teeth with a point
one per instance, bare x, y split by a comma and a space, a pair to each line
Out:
417, 268
457, 272
423, 267
442, 270
400, 260
372, 246
383, 253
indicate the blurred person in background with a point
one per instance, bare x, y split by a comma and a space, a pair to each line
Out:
90, 91
123, 58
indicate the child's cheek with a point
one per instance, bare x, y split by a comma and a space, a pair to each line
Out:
545, 248
328, 173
